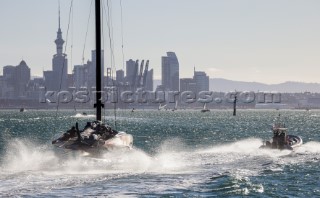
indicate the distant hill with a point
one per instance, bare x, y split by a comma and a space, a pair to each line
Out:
220, 84
224, 85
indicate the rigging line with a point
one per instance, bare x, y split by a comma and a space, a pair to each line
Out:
85, 39
103, 47
102, 27
122, 35
110, 27
104, 12
71, 63
64, 54
111, 41
112, 51
110, 35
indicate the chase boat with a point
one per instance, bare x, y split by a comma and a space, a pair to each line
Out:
281, 140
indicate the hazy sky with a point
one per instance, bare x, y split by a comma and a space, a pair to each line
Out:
268, 41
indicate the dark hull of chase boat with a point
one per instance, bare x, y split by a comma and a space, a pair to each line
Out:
281, 140
292, 142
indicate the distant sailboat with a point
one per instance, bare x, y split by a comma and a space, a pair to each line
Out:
161, 107
205, 108
175, 106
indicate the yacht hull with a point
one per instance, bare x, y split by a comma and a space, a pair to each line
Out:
94, 140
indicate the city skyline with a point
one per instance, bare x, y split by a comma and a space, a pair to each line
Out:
269, 42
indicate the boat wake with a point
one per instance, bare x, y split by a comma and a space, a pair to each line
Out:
48, 169
81, 115
24, 155
172, 156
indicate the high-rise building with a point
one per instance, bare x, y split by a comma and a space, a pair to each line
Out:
149, 81
79, 76
33, 88
15, 80
22, 77
131, 71
202, 81
50, 80
92, 69
188, 84
8, 81
1, 87
70, 80
8, 73
170, 72
119, 76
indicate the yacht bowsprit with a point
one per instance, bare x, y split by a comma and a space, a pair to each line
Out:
281, 140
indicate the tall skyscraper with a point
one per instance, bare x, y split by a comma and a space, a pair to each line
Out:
170, 72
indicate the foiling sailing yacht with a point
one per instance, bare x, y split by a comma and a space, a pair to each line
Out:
96, 135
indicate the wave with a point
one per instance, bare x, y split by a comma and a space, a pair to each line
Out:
173, 156
80, 115
29, 167
309, 147
24, 155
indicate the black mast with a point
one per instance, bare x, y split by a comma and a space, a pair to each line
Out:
98, 104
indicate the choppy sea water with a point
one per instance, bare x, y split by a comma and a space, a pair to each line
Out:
176, 154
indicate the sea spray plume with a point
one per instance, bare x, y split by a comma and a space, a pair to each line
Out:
172, 156
309, 147
80, 115
133, 161
169, 159
248, 146
23, 155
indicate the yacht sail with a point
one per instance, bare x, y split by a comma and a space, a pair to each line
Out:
205, 108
